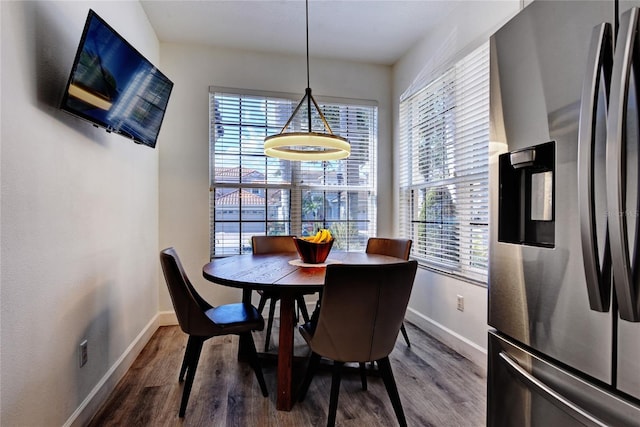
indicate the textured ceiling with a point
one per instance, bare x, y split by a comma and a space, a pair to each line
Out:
378, 32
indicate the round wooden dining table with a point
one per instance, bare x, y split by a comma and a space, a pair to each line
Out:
286, 274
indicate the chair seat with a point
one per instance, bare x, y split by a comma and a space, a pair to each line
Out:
201, 321
273, 296
399, 248
359, 317
236, 315
276, 245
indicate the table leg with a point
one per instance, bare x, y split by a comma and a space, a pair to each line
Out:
246, 295
242, 344
285, 353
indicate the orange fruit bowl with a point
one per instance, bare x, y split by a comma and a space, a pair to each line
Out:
313, 253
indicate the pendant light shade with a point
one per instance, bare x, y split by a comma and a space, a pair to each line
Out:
310, 145
307, 146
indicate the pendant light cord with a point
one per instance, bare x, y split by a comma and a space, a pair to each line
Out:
308, 91
307, 19
295, 145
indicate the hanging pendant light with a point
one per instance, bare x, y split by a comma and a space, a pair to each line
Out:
308, 145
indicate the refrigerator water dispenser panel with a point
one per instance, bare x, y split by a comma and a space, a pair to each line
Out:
526, 207
542, 196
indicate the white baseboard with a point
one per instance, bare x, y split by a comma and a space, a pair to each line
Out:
167, 318
100, 393
453, 340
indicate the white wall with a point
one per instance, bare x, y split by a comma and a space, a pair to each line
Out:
434, 297
184, 158
79, 224
184, 162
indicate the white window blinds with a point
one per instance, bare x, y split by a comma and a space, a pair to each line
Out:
252, 194
444, 136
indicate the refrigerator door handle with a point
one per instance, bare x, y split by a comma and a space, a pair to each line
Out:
600, 62
623, 277
548, 393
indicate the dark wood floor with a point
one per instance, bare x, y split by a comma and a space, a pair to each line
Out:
438, 387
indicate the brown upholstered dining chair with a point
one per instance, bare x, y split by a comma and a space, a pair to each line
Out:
361, 312
271, 245
399, 248
201, 321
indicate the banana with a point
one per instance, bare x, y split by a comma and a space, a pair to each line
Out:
322, 236
325, 236
316, 238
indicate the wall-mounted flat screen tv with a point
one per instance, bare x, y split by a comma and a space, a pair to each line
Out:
113, 86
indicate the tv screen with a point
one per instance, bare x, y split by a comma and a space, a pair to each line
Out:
113, 86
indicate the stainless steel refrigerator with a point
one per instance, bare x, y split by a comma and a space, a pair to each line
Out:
564, 275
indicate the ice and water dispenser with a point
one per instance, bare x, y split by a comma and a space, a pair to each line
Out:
526, 208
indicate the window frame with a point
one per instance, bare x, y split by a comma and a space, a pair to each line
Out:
298, 186
460, 247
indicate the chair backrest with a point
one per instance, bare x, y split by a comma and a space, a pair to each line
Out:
272, 244
399, 248
189, 306
362, 309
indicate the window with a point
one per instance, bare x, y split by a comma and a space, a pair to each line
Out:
251, 194
444, 139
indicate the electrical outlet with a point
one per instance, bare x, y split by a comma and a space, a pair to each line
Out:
83, 355
460, 303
